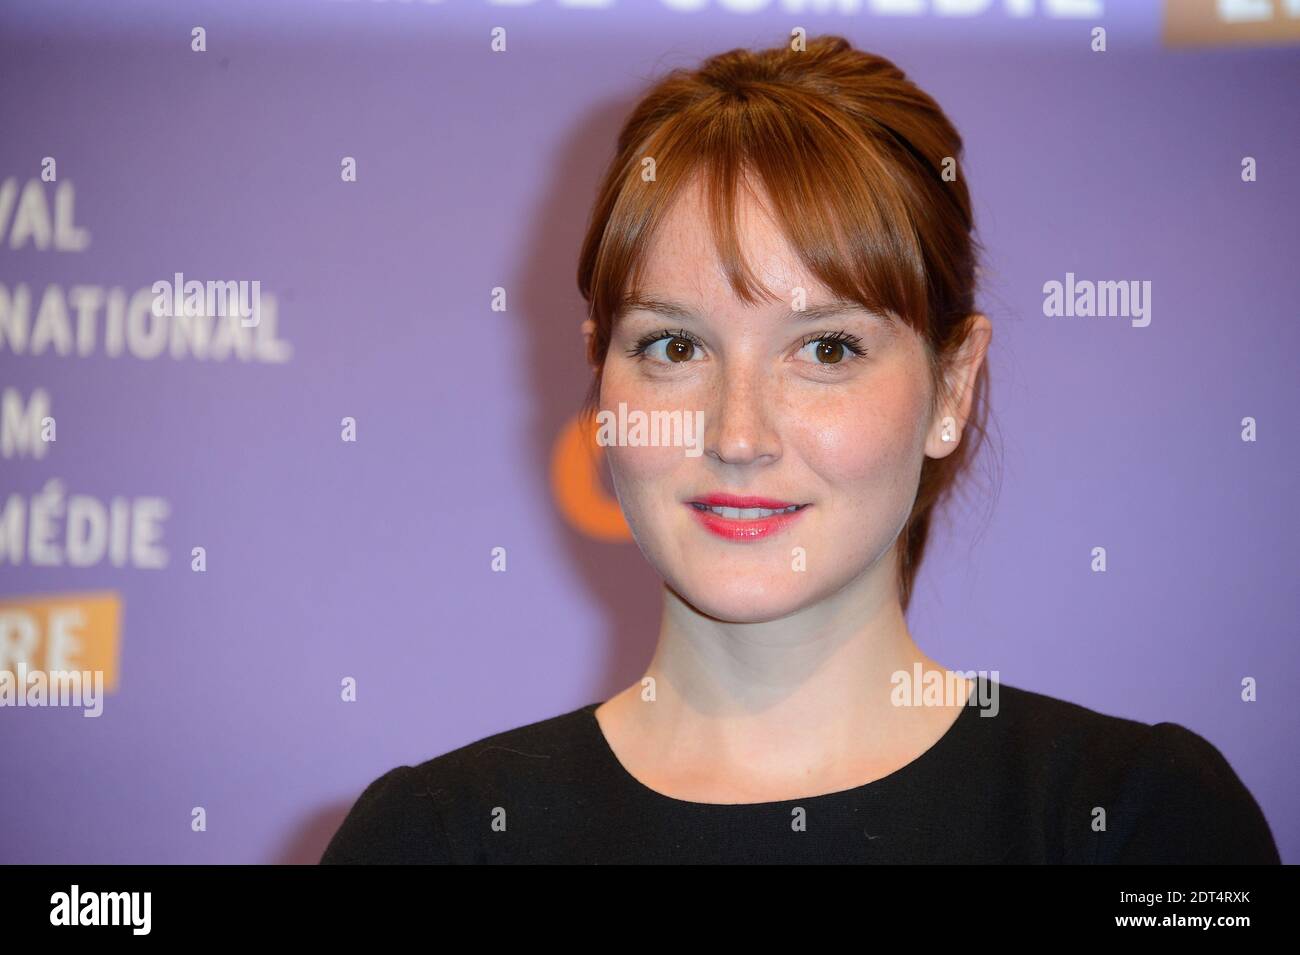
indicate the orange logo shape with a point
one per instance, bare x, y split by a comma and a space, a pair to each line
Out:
62, 632
576, 460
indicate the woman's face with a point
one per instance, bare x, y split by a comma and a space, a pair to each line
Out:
823, 412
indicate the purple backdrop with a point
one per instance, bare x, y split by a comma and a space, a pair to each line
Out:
370, 559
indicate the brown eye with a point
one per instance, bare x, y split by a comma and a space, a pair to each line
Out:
666, 347
830, 352
679, 349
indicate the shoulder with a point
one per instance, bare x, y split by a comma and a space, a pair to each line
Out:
1126, 791
1183, 803
411, 814
1039, 740
392, 821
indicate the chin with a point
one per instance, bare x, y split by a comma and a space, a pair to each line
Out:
737, 597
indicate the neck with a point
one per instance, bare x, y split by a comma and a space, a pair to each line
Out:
781, 708
833, 659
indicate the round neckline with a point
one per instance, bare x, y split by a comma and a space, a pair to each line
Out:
955, 730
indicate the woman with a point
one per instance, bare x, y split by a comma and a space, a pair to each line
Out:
783, 243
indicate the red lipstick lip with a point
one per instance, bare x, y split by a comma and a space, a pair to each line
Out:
734, 500
738, 529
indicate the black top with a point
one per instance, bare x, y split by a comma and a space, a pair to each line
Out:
1028, 785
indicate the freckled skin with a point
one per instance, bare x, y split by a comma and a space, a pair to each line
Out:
846, 437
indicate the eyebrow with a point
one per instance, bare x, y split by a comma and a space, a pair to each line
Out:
811, 313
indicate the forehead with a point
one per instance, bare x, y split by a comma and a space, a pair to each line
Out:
683, 261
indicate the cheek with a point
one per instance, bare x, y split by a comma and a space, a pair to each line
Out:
635, 469
642, 475
866, 443
646, 482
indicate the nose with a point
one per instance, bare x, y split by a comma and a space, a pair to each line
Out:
739, 429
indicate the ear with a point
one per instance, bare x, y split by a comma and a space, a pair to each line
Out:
952, 413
